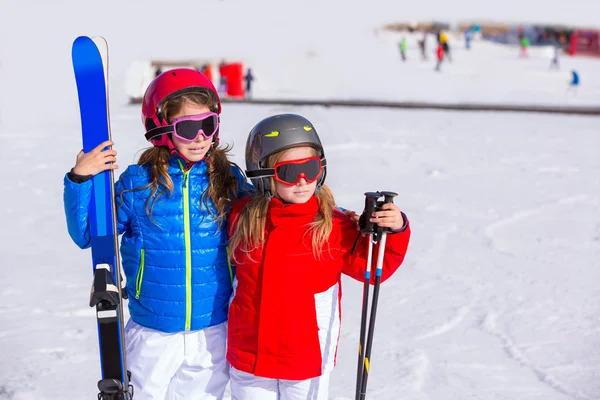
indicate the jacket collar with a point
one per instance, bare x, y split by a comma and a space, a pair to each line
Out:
281, 213
175, 163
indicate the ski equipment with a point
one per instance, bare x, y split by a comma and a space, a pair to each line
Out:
90, 64
376, 234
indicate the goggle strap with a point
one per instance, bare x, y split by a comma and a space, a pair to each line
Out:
261, 173
161, 130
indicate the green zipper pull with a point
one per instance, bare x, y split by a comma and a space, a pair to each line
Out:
185, 174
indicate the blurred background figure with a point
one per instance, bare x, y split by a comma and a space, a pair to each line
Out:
574, 83
423, 46
402, 46
554, 64
222, 77
468, 38
443, 40
440, 56
525, 46
207, 71
249, 78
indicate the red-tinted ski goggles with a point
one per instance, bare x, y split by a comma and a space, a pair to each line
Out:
290, 172
188, 128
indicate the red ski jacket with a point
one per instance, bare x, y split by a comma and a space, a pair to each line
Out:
440, 52
284, 317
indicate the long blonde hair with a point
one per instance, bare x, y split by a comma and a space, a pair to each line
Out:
249, 234
223, 186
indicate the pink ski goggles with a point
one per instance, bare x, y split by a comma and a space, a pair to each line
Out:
189, 128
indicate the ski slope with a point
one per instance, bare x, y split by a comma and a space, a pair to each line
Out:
497, 298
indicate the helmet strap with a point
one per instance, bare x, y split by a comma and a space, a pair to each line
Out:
210, 151
265, 187
159, 116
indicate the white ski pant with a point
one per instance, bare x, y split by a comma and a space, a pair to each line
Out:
245, 386
177, 366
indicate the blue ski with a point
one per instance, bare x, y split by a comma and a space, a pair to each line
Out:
90, 63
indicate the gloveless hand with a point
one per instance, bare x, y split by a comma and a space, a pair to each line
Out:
389, 217
96, 161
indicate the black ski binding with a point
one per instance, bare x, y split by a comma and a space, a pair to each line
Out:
112, 389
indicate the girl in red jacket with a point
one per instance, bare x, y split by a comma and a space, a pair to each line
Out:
290, 245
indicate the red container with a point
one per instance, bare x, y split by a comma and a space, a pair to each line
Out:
235, 80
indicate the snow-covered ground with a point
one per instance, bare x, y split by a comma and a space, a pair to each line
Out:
498, 297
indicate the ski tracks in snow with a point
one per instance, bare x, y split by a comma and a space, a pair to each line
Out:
488, 324
459, 313
491, 230
412, 371
58, 337
453, 322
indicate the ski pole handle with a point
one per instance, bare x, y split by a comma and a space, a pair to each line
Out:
366, 226
388, 197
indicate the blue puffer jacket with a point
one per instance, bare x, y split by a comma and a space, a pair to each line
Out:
176, 262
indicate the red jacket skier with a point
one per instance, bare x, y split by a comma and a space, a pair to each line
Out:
284, 318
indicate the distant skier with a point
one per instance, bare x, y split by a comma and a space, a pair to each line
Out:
402, 46
443, 40
423, 46
440, 56
222, 77
249, 78
554, 64
207, 71
468, 38
574, 83
525, 46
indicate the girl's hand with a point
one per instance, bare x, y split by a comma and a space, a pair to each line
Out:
388, 217
96, 161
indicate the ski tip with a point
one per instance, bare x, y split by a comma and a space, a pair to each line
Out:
100, 41
81, 39
85, 45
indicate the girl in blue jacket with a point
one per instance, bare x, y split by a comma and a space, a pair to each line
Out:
172, 209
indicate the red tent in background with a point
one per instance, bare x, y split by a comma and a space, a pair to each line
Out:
234, 75
235, 80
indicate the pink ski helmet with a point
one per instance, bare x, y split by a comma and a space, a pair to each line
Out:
166, 85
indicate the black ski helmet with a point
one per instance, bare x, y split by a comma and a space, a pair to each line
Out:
274, 134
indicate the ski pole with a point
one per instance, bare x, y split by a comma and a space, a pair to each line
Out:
388, 198
367, 227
